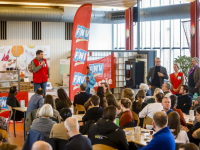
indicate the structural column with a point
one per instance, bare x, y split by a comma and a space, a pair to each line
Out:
129, 28
194, 29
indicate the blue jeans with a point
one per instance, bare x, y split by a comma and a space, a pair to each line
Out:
42, 85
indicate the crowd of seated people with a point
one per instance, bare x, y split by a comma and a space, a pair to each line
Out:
55, 122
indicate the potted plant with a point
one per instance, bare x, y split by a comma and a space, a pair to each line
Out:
185, 64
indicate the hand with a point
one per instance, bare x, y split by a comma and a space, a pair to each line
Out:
42, 63
160, 74
184, 128
150, 86
78, 92
88, 79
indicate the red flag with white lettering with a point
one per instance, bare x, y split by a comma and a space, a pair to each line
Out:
79, 49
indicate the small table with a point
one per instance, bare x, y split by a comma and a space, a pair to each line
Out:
78, 117
24, 111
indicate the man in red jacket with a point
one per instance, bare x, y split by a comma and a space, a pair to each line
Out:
40, 71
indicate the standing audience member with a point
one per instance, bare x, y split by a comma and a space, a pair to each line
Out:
90, 80
139, 104
58, 130
127, 116
191, 131
13, 102
152, 100
111, 101
166, 89
157, 75
128, 93
184, 100
173, 105
166, 103
174, 126
49, 100
76, 141
41, 145
150, 109
94, 113
188, 146
82, 97
36, 101
63, 101
106, 132
3, 122
145, 88
40, 71
163, 138
176, 79
194, 77
44, 124
106, 88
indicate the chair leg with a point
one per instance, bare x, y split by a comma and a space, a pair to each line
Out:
8, 124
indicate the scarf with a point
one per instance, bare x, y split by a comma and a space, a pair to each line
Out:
193, 70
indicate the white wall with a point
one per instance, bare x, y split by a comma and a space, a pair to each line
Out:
100, 37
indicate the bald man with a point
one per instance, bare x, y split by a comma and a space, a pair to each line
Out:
41, 145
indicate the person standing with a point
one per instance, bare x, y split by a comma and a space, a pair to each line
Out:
90, 80
40, 71
176, 79
157, 75
194, 77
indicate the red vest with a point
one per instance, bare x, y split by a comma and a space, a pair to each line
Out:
176, 81
41, 75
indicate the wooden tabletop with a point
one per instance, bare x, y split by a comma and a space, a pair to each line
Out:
78, 117
20, 109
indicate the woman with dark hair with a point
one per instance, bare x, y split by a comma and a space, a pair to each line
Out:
49, 100
63, 101
111, 101
127, 116
106, 88
174, 126
192, 130
139, 104
173, 105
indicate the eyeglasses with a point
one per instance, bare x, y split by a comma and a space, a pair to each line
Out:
158, 61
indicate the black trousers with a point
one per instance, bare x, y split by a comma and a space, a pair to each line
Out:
193, 90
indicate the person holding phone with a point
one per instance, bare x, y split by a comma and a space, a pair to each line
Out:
157, 75
40, 71
90, 80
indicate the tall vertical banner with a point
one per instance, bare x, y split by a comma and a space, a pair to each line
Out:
80, 39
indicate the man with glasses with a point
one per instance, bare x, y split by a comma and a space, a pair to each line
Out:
157, 75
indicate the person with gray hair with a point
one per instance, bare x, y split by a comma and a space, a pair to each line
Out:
157, 75
44, 124
77, 140
41, 145
194, 77
166, 89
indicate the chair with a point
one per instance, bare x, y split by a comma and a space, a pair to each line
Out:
147, 121
80, 108
130, 124
101, 146
136, 118
4, 133
10, 116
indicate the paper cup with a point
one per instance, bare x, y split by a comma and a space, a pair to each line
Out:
22, 104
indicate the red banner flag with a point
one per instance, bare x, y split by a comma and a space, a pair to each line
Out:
104, 70
80, 38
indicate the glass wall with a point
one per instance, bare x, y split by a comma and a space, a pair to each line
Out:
165, 36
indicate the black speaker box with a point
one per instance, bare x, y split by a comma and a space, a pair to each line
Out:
135, 14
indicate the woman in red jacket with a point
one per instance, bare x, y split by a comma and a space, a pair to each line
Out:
127, 116
176, 80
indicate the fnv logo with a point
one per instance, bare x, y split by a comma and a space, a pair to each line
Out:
96, 69
82, 33
79, 79
80, 55
3, 102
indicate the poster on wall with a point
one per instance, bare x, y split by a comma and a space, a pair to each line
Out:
20, 56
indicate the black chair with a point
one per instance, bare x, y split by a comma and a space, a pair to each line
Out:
130, 124
57, 144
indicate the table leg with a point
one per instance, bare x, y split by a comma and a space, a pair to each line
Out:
14, 122
24, 126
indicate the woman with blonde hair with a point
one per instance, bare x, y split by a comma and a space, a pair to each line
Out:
156, 91
127, 116
145, 88
139, 104
129, 93
176, 79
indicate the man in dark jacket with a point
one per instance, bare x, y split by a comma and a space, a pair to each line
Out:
77, 141
108, 133
82, 97
94, 113
184, 100
13, 102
